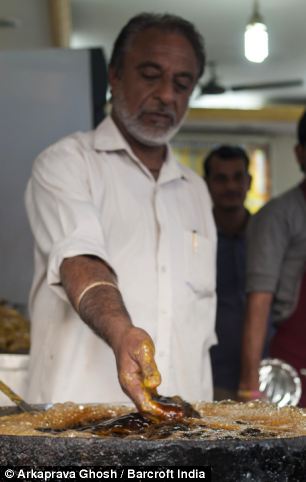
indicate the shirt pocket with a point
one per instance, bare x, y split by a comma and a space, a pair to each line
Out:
199, 263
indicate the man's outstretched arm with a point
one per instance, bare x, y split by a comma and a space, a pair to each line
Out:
102, 308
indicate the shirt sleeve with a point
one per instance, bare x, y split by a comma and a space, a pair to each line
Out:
63, 218
267, 241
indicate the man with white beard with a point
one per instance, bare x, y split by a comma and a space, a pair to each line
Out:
125, 240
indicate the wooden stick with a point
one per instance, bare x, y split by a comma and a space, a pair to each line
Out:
60, 22
25, 407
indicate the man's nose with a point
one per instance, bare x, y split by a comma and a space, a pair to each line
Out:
165, 91
232, 183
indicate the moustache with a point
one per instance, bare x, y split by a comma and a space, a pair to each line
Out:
164, 112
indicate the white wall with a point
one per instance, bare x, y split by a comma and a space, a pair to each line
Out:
34, 28
284, 168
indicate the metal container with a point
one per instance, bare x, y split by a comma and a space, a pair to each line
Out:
279, 382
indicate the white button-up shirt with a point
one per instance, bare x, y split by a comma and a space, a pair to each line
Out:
90, 194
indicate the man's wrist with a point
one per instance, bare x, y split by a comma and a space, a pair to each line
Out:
118, 334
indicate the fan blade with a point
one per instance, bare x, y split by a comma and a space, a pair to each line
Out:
287, 100
212, 88
268, 85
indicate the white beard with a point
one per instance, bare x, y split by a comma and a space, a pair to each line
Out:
153, 135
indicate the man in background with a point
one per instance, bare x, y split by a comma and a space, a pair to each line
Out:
124, 238
276, 281
228, 180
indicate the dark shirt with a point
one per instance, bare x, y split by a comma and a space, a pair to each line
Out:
231, 264
231, 302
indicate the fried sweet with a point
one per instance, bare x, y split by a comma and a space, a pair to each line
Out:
14, 330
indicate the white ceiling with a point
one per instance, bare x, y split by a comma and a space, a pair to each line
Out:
222, 23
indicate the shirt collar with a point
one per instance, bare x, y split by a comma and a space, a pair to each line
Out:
107, 137
238, 234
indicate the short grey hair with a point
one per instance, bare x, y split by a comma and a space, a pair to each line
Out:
163, 22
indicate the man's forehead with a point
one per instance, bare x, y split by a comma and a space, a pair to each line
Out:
220, 163
155, 42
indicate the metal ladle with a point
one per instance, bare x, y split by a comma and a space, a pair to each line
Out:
21, 404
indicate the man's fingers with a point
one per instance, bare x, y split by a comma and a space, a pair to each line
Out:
137, 370
133, 385
145, 358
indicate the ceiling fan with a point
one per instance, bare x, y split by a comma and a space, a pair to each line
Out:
213, 86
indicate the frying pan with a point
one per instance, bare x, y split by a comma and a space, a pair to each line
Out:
266, 460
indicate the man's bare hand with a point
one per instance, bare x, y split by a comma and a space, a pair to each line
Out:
138, 374
137, 371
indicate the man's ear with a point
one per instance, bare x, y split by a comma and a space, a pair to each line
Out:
300, 153
112, 77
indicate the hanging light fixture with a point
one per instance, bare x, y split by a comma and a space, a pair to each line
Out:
256, 42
